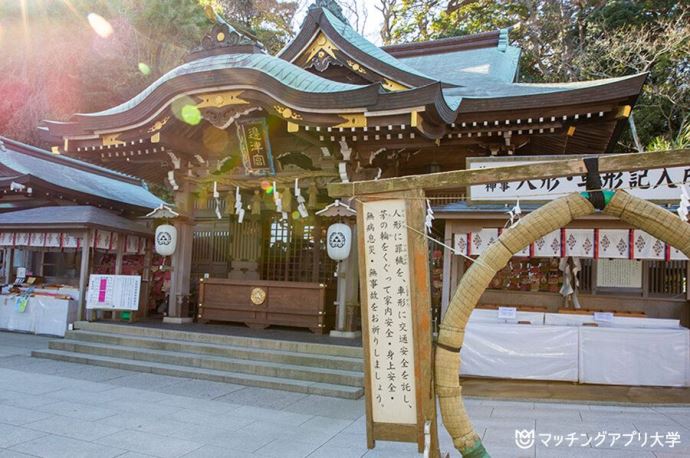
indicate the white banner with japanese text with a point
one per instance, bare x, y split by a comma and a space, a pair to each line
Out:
656, 185
389, 311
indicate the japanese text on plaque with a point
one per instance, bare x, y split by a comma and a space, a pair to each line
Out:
389, 309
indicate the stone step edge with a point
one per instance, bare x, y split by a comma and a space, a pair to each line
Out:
74, 335
185, 355
277, 383
200, 337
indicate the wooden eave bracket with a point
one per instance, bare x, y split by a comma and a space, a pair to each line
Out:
429, 130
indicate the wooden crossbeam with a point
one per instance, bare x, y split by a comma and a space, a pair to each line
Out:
542, 170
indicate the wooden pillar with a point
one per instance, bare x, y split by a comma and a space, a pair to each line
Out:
316, 253
181, 264
181, 260
9, 261
348, 290
447, 263
119, 254
351, 278
146, 279
119, 257
84, 272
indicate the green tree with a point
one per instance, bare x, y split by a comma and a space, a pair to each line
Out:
54, 64
270, 21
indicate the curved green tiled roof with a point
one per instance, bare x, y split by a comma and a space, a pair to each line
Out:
361, 43
479, 87
70, 173
459, 66
288, 74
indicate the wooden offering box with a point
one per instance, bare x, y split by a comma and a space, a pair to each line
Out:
260, 304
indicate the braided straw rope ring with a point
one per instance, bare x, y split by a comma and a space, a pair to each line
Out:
639, 213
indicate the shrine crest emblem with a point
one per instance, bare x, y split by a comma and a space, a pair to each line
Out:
337, 240
258, 296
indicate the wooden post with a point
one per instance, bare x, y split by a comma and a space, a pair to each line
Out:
119, 254
84, 272
9, 261
343, 267
181, 264
352, 278
447, 262
119, 258
181, 260
146, 279
420, 309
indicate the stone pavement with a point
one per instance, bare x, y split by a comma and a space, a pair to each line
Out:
55, 409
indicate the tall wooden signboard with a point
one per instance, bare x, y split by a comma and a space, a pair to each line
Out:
396, 318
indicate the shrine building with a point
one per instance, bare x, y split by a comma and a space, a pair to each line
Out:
248, 141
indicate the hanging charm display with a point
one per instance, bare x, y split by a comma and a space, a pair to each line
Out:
239, 211
429, 220
276, 199
216, 199
515, 214
301, 202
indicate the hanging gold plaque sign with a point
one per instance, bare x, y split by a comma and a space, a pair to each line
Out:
258, 296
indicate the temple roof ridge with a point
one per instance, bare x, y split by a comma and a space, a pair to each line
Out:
358, 50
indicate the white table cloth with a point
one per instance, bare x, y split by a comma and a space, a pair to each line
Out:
644, 357
43, 315
520, 351
626, 351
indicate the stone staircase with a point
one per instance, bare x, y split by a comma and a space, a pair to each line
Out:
312, 368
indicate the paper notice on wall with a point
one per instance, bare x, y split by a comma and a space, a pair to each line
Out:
619, 273
391, 347
113, 292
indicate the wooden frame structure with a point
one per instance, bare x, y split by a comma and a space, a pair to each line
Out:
414, 188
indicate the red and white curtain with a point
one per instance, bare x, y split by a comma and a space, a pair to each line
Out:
40, 240
581, 243
102, 240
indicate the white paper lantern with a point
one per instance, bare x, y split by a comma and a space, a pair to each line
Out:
339, 241
166, 239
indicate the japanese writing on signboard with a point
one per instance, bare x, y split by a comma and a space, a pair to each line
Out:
389, 308
113, 292
255, 146
659, 185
